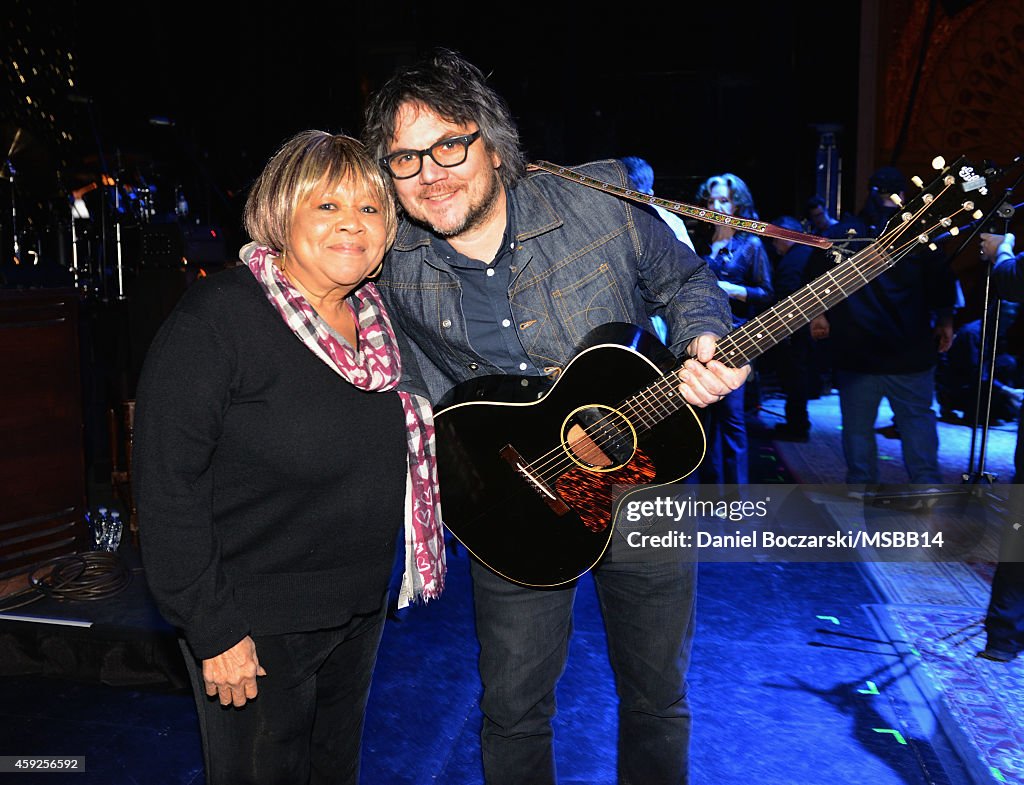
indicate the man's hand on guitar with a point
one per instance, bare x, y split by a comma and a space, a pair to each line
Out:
704, 381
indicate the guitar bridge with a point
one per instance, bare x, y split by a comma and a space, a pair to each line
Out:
543, 489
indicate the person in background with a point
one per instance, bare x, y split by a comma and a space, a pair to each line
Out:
740, 262
641, 178
498, 272
886, 338
1004, 618
819, 219
792, 356
277, 456
957, 376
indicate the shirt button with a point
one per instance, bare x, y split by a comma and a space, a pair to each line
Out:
522, 366
473, 366
446, 323
505, 323
490, 271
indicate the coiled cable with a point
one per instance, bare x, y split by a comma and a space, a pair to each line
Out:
92, 575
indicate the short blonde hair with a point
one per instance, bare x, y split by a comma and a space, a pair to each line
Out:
301, 164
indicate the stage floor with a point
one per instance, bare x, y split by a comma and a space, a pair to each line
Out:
802, 673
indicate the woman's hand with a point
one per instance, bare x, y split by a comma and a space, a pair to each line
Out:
820, 328
232, 674
734, 290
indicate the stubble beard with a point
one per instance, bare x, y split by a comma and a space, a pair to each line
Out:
476, 215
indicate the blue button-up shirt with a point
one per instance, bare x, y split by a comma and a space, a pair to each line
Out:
486, 306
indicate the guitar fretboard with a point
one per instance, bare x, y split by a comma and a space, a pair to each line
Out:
793, 312
903, 235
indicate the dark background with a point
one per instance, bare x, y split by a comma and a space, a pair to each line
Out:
193, 98
695, 89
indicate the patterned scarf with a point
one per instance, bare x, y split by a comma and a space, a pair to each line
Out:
376, 367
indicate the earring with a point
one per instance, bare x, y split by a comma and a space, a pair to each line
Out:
376, 272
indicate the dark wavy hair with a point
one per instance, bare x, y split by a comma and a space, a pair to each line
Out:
455, 90
741, 198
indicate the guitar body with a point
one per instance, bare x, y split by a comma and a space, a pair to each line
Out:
524, 493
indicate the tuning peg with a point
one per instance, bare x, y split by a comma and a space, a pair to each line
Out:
917, 181
896, 200
938, 163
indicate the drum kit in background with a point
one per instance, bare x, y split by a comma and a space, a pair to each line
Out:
89, 226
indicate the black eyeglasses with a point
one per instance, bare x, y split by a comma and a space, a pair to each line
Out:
403, 164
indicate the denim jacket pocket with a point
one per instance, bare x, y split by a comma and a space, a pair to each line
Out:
592, 300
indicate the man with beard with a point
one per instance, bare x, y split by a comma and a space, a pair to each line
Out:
498, 272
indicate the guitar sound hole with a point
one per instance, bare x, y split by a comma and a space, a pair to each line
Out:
599, 437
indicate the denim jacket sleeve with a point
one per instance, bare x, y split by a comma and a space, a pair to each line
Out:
678, 285
610, 260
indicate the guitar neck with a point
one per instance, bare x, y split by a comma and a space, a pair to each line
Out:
950, 197
768, 328
659, 400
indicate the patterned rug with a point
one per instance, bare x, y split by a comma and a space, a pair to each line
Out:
980, 704
932, 612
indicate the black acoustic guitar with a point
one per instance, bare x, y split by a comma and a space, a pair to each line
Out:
532, 477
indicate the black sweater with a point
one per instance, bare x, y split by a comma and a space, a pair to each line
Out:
887, 326
270, 490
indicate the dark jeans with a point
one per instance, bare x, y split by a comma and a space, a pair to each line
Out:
725, 425
793, 368
306, 724
910, 395
1004, 621
524, 640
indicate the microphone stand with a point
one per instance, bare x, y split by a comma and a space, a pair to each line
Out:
1005, 211
119, 259
970, 476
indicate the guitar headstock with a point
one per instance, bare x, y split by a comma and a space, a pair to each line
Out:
958, 195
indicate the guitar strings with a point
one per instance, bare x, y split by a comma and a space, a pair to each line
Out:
607, 436
742, 339
598, 432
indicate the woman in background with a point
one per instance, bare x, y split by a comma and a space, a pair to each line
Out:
741, 263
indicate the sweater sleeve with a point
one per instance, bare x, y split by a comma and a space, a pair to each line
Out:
183, 393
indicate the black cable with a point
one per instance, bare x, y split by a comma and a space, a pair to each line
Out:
93, 575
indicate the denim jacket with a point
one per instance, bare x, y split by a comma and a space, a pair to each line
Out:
581, 258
